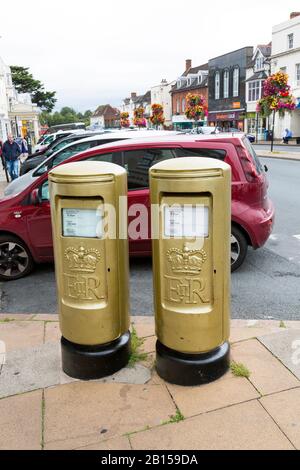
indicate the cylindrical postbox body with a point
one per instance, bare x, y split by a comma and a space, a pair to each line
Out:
89, 225
191, 219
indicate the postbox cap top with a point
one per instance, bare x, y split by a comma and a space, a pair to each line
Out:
87, 169
190, 164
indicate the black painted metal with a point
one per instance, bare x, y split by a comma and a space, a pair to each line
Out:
192, 369
95, 362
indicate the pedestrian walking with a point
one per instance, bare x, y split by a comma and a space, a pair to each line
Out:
23, 147
287, 135
11, 153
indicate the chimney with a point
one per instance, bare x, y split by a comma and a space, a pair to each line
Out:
294, 14
188, 64
133, 95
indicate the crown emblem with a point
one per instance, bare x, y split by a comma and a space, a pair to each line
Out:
186, 261
82, 259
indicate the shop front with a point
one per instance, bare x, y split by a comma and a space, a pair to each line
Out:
227, 120
180, 122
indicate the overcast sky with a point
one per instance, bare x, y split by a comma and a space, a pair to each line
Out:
96, 52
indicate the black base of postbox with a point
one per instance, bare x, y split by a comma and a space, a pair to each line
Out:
191, 369
94, 362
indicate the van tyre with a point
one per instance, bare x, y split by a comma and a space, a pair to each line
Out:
15, 258
239, 248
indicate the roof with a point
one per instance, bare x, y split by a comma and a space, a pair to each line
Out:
195, 69
262, 75
105, 109
265, 49
193, 86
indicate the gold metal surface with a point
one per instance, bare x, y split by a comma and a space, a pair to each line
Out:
192, 275
91, 273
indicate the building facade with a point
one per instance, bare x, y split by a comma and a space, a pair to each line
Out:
193, 80
5, 77
137, 101
256, 74
227, 88
160, 94
105, 117
286, 57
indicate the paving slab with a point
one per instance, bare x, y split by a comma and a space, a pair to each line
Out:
24, 334
284, 408
267, 374
286, 347
17, 316
21, 422
52, 332
32, 369
226, 391
79, 414
246, 426
119, 443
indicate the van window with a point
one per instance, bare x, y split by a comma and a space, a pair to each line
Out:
197, 152
138, 162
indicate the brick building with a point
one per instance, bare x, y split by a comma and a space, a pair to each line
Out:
193, 80
106, 116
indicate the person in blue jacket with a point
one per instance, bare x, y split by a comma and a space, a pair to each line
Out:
11, 153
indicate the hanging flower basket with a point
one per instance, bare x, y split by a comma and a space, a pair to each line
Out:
196, 107
139, 119
157, 117
276, 96
124, 120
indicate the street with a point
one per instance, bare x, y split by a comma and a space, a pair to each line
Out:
266, 286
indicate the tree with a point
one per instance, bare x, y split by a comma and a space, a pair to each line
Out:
25, 83
276, 97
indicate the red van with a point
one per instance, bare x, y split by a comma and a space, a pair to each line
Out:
25, 223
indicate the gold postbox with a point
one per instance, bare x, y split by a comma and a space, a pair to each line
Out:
191, 220
89, 225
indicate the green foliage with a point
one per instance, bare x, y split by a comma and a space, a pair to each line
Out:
65, 116
175, 418
239, 370
136, 343
25, 83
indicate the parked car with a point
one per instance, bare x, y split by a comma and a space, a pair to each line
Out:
205, 130
34, 160
234, 130
68, 151
25, 221
47, 139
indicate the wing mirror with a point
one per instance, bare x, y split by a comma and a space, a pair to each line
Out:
35, 197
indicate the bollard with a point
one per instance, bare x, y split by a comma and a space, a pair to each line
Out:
91, 266
191, 220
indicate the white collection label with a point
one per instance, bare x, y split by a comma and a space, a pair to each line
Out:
83, 223
186, 221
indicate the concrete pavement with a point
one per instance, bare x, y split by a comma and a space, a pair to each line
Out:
41, 408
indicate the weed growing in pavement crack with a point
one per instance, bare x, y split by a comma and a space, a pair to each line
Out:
239, 370
175, 418
282, 324
136, 343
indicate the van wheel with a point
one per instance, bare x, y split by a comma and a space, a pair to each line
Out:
239, 248
15, 258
